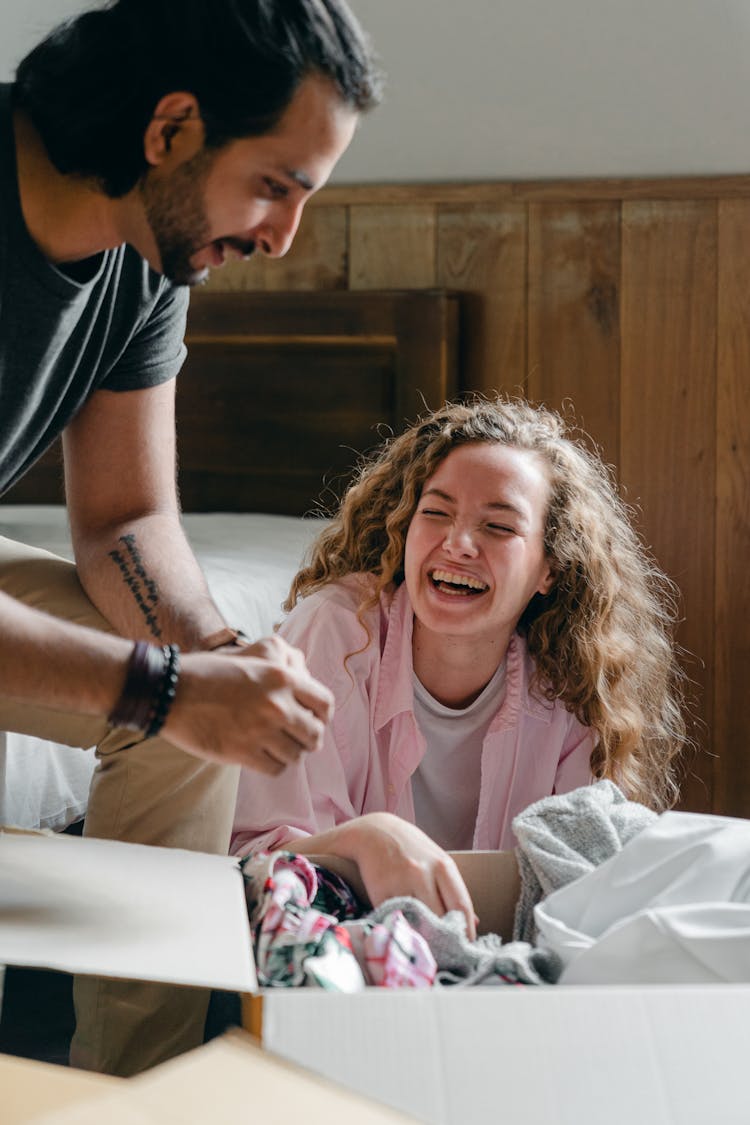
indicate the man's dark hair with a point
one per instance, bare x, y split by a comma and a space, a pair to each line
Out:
92, 85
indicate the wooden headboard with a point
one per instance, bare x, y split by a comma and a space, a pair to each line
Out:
282, 391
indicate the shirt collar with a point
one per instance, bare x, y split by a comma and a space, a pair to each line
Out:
395, 689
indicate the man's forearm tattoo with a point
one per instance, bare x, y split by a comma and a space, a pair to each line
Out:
144, 589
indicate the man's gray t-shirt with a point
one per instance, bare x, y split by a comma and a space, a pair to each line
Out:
61, 339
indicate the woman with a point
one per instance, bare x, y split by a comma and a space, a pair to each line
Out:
493, 632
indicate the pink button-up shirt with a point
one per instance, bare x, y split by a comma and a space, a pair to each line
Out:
533, 747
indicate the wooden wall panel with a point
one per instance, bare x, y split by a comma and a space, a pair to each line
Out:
317, 259
496, 193
603, 292
632, 299
668, 434
392, 247
573, 314
732, 668
279, 395
481, 253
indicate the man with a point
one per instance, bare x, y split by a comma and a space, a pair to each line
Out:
140, 146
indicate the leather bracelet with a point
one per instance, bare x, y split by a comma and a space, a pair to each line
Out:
142, 681
150, 686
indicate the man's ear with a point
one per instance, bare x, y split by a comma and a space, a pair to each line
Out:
175, 125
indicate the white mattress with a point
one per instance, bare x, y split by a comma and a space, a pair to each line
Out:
249, 561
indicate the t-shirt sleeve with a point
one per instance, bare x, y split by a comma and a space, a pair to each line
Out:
156, 350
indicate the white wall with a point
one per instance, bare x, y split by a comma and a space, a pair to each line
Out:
23, 22
514, 89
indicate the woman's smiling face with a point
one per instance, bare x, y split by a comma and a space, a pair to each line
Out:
474, 553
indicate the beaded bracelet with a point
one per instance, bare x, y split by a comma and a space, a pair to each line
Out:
165, 698
150, 686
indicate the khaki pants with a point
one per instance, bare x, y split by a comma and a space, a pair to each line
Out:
143, 792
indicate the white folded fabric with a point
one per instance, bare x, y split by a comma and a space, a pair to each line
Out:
672, 906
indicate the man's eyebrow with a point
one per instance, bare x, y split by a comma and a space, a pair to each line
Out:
300, 178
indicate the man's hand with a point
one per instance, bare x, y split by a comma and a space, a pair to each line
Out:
259, 706
267, 648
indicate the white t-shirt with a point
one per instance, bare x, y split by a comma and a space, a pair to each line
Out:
445, 785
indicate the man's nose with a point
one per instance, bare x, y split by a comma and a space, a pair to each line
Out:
277, 235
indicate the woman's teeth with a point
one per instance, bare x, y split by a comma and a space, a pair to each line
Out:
461, 584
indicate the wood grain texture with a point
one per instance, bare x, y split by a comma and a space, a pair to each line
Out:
280, 394
574, 316
317, 259
392, 248
547, 300
481, 253
668, 437
497, 192
731, 712
273, 426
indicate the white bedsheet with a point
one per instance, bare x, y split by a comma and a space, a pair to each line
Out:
249, 561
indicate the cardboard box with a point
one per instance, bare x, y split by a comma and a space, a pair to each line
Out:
123, 910
651, 1055
31, 1088
230, 1080
529, 1056
546, 1056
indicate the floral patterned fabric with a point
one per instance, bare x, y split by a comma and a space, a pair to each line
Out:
309, 929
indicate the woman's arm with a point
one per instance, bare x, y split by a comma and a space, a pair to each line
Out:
317, 807
314, 797
383, 856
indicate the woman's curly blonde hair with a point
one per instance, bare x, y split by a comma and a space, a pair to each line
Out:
601, 639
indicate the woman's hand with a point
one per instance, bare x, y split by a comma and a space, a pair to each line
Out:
396, 858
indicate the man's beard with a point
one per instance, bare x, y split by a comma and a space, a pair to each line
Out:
177, 217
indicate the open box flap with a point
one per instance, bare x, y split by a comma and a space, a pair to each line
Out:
30, 1088
105, 908
493, 881
227, 1081
123, 910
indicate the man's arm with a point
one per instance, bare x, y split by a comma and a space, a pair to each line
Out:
64, 667
133, 559
260, 709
